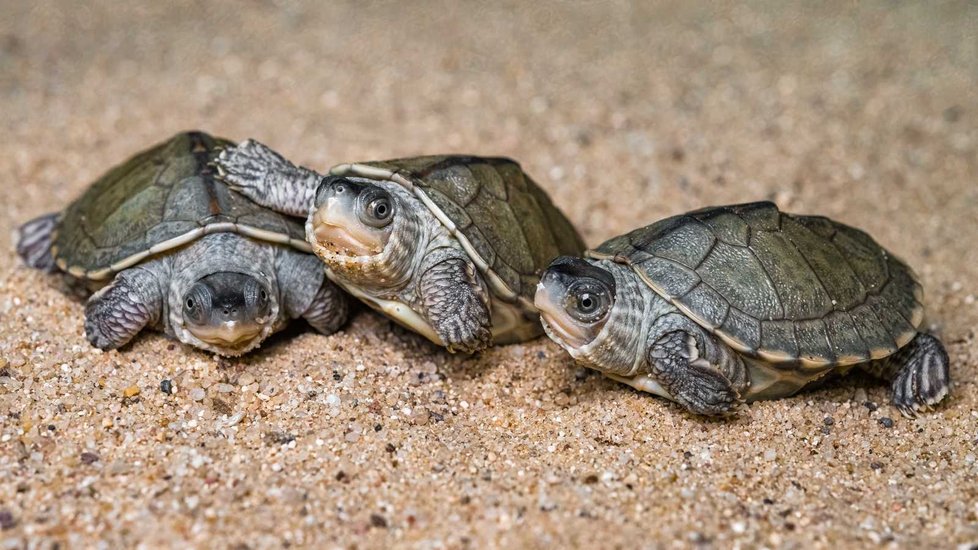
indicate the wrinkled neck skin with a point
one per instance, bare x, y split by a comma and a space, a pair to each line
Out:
620, 346
386, 274
221, 252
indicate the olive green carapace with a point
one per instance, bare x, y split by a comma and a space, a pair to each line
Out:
508, 219
789, 289
160, 199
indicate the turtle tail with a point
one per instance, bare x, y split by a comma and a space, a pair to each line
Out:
34, 240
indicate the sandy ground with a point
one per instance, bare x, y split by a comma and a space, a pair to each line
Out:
372, 437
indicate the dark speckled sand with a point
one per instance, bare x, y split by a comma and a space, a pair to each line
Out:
867, 113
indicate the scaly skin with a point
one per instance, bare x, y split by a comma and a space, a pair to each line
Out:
133, 301
456, 305
267, 178
919, 374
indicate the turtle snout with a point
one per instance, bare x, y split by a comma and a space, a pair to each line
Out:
335, 189
227, 309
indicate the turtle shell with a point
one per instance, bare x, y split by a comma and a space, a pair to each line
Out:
505, 222
160, 199
781, 287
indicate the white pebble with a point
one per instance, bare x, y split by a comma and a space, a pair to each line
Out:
235, 418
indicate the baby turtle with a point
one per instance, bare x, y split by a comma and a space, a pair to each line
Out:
744, 302
183, 254
449, 246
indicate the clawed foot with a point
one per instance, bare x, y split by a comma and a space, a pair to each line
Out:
707, 392
34, 240
456, 305
924, 379
114, 315
246, 167
267, 178
464, 335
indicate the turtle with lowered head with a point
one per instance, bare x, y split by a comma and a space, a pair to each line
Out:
170, 248
449, 246
740, 303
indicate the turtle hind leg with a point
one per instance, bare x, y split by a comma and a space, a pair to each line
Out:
34, 240
918, 373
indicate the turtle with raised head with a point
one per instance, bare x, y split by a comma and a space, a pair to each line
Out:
744, 302
448, 246
175, 250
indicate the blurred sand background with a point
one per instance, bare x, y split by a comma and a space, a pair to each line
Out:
625, 113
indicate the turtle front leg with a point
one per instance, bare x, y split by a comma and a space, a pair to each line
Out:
117, 312
695, 369
266, 177
919, 374
307, 293
329, 309
456, 305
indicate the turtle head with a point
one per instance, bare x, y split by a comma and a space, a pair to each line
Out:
352, 218
575, 299
228, 310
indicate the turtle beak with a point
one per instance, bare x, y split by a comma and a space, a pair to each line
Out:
335, 224
560, 326
229, 334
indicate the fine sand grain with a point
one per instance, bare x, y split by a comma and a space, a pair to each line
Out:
372, 437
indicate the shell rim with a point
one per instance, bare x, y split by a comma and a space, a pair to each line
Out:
248, 231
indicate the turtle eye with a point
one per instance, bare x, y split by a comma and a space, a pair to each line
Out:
378, 210
196, 305
588, 301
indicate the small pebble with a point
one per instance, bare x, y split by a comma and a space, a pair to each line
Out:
131, 391
246, 379
871, 406
197, 394
89, 457
7, 520
828, 421
886, 422
166, 386
377, 520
